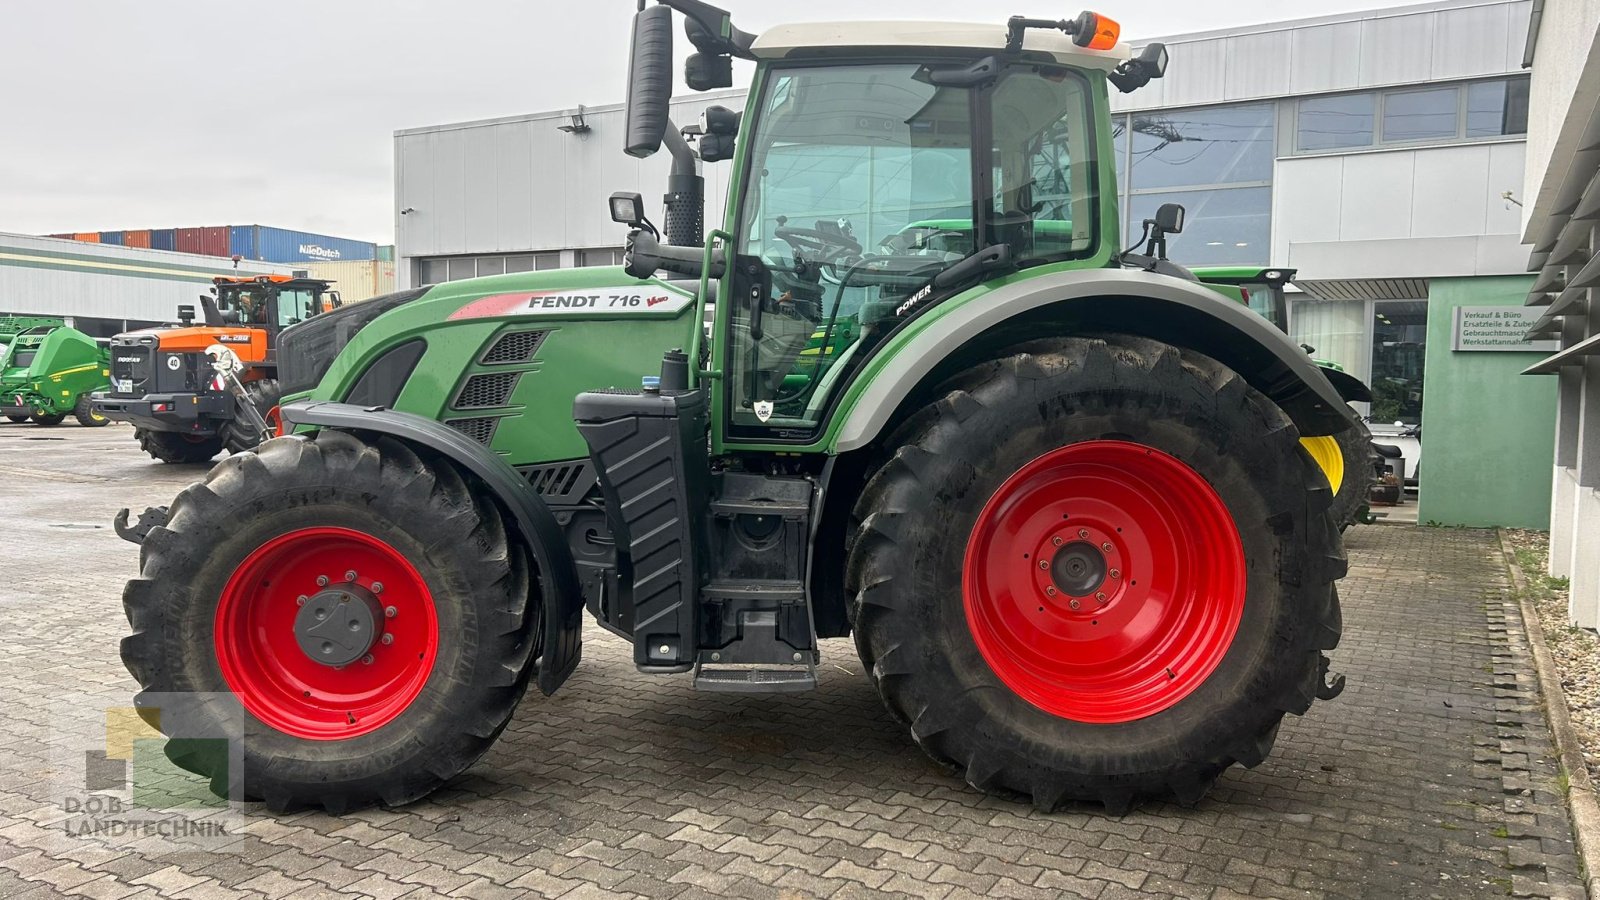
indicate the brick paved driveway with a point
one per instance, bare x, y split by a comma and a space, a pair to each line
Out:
1430, 777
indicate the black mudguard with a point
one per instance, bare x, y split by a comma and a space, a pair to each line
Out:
1348, 386
561, 599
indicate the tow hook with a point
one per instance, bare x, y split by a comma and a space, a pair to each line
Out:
1327, 690
136, 533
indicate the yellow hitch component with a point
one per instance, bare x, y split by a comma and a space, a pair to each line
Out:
1325, 450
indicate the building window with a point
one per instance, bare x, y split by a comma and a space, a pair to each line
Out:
1217, 162
1333, 123
1399, 344
1336, 330
455, 268
1481, 109
1420, 115
602, 256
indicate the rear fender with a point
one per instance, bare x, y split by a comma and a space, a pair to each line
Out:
1349, 387
562, 601
1092, 301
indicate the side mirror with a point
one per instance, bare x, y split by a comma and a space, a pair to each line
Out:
707, 71
1169, 218
186, 314
649, 81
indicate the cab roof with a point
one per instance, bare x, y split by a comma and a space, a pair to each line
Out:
783, 41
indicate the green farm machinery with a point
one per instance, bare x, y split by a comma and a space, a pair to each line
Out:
1055, 491
48, 371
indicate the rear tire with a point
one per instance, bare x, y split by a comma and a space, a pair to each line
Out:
237, 435
1351, 503
213, 607
84, 412
942, 635
48, 421
173, 447
18, 419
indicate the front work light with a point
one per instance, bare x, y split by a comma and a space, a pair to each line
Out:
627, 209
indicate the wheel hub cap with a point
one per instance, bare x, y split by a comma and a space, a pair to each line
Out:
337, 627
1104, 581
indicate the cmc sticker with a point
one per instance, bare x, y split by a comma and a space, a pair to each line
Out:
629, 300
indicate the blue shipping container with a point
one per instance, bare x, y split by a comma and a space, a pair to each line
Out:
164, 239
242, 241
284, 246
111, 237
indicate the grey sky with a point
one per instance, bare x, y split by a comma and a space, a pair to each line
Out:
161, 113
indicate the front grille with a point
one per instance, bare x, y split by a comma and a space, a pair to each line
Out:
563, 483
484, 391
131, 363
480, 430
517, 347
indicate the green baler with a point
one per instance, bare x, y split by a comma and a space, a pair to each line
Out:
48, 371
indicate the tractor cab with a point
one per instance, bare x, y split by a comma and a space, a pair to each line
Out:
269, 302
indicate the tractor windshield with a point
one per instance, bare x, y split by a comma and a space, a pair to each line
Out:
865, 182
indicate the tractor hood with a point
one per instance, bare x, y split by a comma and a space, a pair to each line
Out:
498, 358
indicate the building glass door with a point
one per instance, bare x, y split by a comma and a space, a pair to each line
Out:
1399, 345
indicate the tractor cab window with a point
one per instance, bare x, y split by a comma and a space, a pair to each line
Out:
247, 306
295, 306
867, 181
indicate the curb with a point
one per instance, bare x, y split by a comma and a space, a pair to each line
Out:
1581, 799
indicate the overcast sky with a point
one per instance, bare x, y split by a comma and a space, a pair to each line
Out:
163, 113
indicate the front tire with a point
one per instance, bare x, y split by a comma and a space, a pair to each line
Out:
216, 611
18, 419
1001, 634
84, 412
176, 448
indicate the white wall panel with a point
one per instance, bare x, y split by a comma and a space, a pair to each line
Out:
1257, 65
1472, 41
1325, 58
1305, 202
1450, 192
1196, 73
1376, 200
1506, 162
1397, 49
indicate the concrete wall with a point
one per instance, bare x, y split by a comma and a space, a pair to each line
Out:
1564, 59
1488, 433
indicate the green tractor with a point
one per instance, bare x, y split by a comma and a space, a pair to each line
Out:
48, 371
1347, 458
1055, 493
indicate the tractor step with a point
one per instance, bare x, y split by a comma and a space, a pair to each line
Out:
755, 679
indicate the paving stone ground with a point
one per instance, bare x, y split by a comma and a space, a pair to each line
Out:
1430, 777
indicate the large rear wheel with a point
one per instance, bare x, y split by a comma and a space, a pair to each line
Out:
1096, 570
363, 605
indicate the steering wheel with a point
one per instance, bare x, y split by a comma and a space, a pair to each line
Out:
818, 243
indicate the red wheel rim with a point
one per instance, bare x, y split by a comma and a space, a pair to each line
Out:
261, 656
1167, 601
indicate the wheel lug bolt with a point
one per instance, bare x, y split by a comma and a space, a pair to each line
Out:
366, 660
388, 639
1083, 532
1056, 541
390, 611
1074, 604
1043, 564
377, 587
1049, 591
1100, 597
350, 575
1115, 573
1106, 546
322, 581
301, 600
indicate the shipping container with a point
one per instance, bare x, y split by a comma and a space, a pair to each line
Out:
111, 237
211, 241
136, 238
386, 252
282, 245
88, 237
242, 241
355, 280
164, 239
67, 236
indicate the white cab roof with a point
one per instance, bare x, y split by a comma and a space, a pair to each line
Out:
782, 40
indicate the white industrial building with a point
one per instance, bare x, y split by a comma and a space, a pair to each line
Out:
1380, 153
1563, 231
103, 289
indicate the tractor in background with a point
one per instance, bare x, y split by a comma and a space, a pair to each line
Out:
48, 371
162, 380
1054, 491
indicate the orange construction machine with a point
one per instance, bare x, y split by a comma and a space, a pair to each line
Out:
163, 382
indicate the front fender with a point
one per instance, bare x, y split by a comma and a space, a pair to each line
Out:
562, 601
1091, 301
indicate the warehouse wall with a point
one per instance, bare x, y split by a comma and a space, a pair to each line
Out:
48, 276
1487, 434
